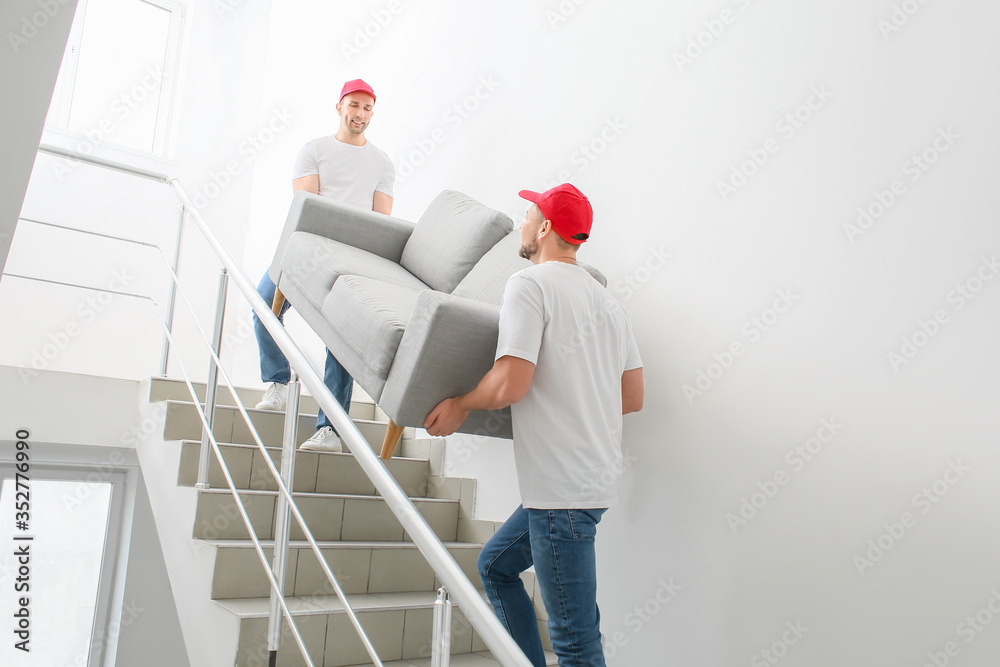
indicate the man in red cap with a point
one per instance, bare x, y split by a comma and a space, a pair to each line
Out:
347, 167
568, 367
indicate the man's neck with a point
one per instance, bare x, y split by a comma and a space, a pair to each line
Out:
345, 137
554, 255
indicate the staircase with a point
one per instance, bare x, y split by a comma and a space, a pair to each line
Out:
220, 586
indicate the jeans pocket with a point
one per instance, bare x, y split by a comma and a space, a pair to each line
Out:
583, 523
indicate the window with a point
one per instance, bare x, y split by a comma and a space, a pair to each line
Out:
116, 84
70, 563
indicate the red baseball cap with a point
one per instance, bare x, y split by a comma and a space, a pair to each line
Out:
356, 86
567, 208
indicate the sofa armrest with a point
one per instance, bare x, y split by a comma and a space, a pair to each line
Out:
448, 346
379, 234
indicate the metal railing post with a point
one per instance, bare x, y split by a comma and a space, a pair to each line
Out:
283, 514
441, 631
213, 378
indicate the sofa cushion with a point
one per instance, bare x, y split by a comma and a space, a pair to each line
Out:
451, 236
314, 263
487, 279
369, 315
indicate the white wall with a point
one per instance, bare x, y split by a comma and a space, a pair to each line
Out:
29, 63
662, 137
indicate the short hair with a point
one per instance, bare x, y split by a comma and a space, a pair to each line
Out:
563, 243
566, 245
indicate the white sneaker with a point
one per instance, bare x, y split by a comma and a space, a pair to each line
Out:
274, 397
323, 440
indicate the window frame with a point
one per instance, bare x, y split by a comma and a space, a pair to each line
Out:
81, 466
57, 133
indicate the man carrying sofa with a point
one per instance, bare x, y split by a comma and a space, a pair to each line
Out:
347, 167
567, 364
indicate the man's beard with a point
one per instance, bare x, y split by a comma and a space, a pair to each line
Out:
528, 251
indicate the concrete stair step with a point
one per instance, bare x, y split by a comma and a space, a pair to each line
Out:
477, 659
360, 567
329, 516
321, 472
399, 625
163, 389
183, 423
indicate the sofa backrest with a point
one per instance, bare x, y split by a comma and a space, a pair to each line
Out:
451, 236
487, 279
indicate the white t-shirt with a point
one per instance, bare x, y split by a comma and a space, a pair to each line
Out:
568, 427
350, 174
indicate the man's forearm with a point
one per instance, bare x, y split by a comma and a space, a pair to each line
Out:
506, 383
492, 393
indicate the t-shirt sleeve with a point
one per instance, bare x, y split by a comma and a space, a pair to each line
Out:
306, 163
388, 179
522, 320
632, 358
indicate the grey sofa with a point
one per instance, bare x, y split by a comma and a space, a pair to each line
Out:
410, 310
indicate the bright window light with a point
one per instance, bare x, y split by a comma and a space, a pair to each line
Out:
69, 522
115, 85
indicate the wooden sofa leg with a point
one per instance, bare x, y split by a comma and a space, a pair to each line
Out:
392, 436
277, 302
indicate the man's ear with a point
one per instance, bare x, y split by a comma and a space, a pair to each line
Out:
339, 104
545, 228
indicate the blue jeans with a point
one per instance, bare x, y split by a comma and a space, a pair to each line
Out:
274, 366
560, 544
